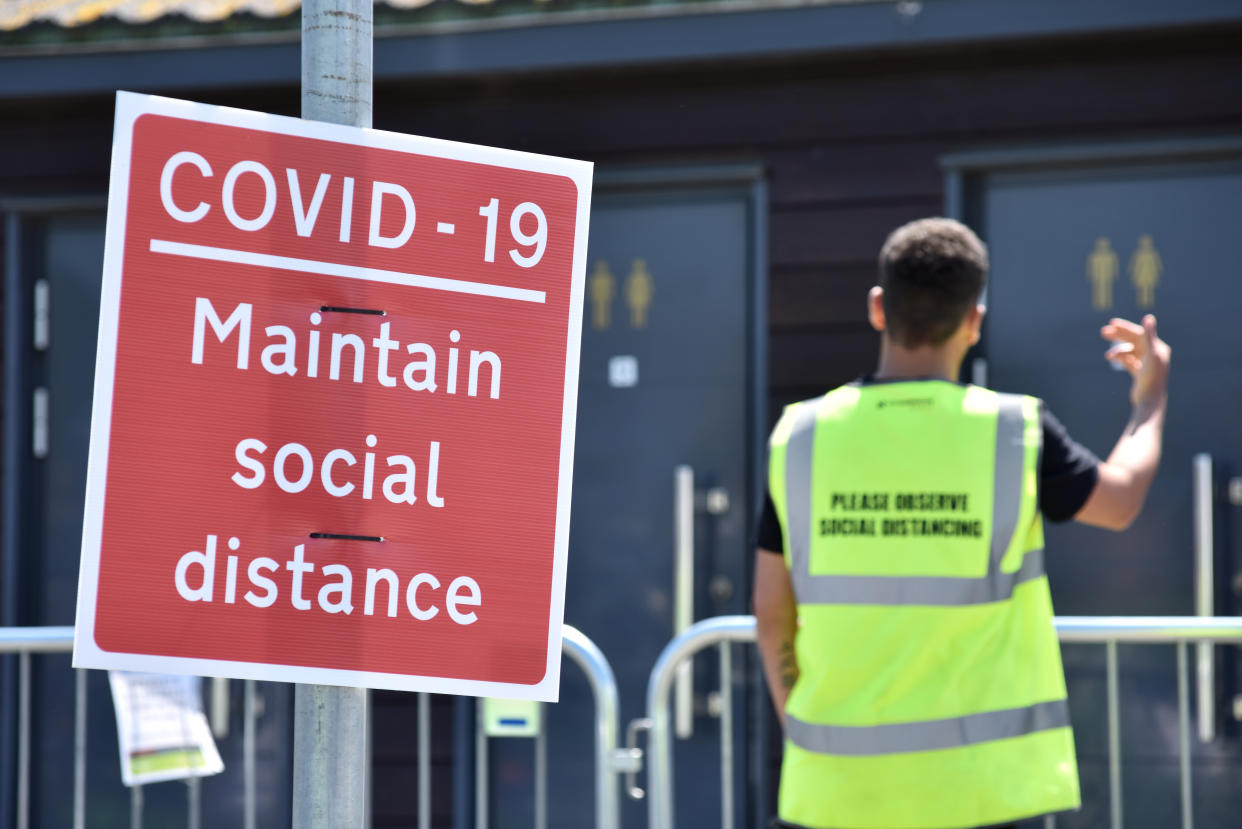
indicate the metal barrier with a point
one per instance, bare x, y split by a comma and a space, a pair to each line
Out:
1107, 630
610, 762
27, 641
24, 642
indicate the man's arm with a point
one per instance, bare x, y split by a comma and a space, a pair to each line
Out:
1127, 474
776, 622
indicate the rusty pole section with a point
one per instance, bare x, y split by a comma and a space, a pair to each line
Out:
330, 723
336, 61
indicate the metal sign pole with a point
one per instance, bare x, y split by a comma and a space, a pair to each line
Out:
329, 731
336, 61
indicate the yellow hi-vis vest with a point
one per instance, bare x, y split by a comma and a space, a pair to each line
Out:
931, 692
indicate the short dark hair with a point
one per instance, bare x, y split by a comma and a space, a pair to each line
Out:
932, 272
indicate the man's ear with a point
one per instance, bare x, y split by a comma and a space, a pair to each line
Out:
974, 322
875, 308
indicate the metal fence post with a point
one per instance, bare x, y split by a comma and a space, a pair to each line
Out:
329, 732
79, 748
424, 761
250, 814
23, 741
1114, 735
480, 768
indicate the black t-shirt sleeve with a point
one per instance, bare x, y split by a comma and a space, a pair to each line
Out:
1068, 471
770, 537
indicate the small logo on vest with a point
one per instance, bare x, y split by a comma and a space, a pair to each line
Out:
909, 401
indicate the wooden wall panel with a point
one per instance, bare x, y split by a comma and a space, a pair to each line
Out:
1032, 91
802, 298
844, 233
874, 171
820, 358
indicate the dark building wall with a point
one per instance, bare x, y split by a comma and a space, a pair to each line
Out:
851, 145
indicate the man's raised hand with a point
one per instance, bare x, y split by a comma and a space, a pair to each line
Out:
1140, 350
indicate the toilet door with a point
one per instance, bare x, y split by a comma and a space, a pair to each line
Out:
1076, 237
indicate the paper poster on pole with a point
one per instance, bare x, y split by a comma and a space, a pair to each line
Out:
335, 396
161, 729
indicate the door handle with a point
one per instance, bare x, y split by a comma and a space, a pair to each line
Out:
683, 594
1205, 587
219, 707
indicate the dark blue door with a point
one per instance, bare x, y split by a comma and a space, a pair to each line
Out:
1072, 245
669, 378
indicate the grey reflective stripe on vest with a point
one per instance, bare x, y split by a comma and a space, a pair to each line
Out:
798, 455
927, 735
996, 586
1007, 479
919, 590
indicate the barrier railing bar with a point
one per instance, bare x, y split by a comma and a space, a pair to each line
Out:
1183, 736
726, 735
480, 768
249, 766
1151, 630
591, 660
79, 749
424, 761
51, 639
659, 748
1114, 736
1077, 629
23, 741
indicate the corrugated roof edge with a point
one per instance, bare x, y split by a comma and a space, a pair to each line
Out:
107, 31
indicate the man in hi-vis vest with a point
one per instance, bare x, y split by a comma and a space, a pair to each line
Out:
903, 612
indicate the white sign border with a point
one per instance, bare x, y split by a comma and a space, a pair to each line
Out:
86, 652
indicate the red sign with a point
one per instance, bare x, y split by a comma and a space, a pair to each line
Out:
334, 405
